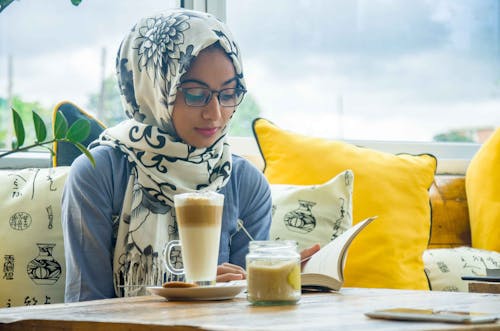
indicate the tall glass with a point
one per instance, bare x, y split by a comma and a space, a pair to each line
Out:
199, 219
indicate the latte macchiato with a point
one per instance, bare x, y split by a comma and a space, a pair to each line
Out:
199, 218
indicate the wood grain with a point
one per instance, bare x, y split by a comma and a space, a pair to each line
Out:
450, 213
342, 310
484, 287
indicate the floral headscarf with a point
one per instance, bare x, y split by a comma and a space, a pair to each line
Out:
150, 63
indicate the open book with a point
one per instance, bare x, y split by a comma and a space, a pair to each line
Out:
325, 269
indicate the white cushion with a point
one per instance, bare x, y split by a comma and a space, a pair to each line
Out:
312, 214
445, 267
31, 241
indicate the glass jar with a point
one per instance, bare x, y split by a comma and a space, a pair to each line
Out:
273, 272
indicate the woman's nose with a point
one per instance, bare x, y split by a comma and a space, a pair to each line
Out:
212, 111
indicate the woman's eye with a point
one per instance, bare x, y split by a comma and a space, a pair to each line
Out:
227, 96
196, 91
195, 96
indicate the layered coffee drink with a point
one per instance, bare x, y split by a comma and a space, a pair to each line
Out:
199, 218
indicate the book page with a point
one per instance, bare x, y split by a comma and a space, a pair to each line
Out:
330, 259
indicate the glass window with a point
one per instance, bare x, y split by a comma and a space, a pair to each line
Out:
52, 51
373, 69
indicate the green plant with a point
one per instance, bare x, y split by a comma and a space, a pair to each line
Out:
74, 134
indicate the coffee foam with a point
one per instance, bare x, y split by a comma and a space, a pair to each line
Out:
199, 198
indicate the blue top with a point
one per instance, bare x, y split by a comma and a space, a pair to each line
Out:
94, 196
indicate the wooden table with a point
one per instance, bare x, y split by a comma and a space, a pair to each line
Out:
484, 287
319, 311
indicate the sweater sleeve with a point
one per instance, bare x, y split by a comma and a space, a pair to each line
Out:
254, 208
91, 197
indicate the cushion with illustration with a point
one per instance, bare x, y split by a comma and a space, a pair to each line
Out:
311, 214
446, 266
31, 240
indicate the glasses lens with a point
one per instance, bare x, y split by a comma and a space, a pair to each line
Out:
231, 97
196, 96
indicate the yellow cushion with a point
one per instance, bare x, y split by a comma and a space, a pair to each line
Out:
388, 253
482, 185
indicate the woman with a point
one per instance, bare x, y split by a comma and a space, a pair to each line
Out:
181, 79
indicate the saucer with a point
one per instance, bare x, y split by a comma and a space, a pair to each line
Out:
220, 291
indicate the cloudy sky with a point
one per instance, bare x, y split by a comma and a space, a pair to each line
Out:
365, 69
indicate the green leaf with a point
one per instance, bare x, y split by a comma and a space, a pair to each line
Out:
40, 128
14, 144
85, 151
76, 2
79, 131
52, 153
18, 128
61, 126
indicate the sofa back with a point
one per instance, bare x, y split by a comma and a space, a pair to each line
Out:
450, 228
450, 216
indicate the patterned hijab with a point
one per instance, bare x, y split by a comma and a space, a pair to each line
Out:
150, 63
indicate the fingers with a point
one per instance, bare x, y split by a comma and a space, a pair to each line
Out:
230, 268
227, 272
307, 253
229, 277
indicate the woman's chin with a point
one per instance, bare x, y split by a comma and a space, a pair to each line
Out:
203, 141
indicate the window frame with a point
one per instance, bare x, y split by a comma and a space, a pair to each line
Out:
214, 7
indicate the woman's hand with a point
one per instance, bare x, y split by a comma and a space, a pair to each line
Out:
306, 254
227, 272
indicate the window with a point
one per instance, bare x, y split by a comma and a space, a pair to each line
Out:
373, 69
360, 70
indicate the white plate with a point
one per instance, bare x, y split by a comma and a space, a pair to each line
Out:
220, 291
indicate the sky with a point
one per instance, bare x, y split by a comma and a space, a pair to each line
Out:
365, 69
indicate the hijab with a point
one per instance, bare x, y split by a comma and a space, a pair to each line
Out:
150, 63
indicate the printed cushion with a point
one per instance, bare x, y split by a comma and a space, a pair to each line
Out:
66, 153
311, 214
387, 254
31, 240
482, 185
446, 266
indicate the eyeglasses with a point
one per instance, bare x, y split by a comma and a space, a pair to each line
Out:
201, 96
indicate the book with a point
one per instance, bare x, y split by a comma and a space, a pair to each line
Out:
325, 269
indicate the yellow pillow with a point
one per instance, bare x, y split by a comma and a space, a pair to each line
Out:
388, 253
482, 185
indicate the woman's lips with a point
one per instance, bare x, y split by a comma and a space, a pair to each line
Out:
207, 132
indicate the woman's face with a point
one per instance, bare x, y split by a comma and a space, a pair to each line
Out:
202, 126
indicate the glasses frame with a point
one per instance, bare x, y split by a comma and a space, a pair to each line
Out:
211, 94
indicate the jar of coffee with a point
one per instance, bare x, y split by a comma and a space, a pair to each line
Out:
273, 272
